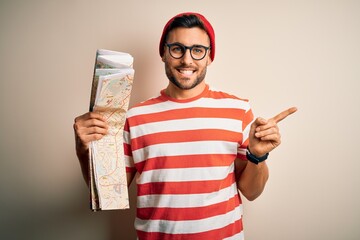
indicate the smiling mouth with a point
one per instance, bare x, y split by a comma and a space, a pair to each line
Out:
186, 72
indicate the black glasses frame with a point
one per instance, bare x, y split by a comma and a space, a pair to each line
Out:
184, 48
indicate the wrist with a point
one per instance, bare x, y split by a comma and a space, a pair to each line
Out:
255, 158
82, 150
254, 152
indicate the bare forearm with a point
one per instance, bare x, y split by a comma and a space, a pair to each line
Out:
253, 180
264, 136
83, 156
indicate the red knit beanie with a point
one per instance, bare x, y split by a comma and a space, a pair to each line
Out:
208, 28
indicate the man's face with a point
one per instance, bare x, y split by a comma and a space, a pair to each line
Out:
186, 73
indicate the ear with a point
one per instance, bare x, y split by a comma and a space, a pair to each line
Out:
209, 61
163, 56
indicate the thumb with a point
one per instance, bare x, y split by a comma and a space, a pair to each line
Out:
258, 122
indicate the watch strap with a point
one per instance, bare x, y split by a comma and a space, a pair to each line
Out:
254, 159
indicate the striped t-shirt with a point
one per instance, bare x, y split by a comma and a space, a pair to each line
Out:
184, 152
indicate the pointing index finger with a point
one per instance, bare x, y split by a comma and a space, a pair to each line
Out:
281, 116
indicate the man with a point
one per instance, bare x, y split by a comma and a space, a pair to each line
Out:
192, 147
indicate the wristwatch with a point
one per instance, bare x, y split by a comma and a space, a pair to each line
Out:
254, 159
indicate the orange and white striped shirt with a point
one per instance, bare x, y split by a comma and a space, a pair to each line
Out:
184, 152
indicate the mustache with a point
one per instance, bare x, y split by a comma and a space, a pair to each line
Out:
186, 66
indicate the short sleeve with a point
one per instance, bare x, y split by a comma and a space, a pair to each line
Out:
247, 120
129, 162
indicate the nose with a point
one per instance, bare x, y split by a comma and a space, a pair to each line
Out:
186, 58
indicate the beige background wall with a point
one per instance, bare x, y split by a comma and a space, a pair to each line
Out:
276, 53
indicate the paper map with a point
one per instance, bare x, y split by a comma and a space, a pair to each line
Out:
110, 95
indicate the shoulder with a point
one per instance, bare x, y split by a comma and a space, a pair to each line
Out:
219, 94
145, 106
228, 99
147, 102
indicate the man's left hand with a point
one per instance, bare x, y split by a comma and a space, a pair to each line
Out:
264, 133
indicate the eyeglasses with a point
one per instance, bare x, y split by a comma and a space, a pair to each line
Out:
177, 50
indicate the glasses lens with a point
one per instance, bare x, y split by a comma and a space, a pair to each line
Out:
198, 52
176, 50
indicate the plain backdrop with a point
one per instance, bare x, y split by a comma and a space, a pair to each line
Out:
278, 54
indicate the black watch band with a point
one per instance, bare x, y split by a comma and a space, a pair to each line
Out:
254, 159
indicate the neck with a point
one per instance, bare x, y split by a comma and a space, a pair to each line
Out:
181, 94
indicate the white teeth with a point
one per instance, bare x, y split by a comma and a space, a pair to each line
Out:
186, 72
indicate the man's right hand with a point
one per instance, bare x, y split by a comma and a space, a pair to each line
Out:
89, 127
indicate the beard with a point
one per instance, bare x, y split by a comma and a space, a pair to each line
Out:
178, 82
